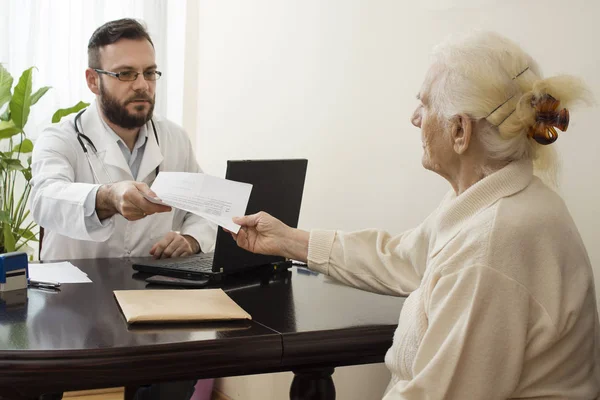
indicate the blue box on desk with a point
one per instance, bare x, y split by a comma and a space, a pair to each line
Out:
14, 271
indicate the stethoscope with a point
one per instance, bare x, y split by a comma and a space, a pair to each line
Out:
81, 137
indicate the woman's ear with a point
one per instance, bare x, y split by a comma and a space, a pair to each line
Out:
461, 131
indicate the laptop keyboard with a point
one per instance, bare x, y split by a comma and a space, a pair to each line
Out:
201, 263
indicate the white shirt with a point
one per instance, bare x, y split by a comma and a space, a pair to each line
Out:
133, 157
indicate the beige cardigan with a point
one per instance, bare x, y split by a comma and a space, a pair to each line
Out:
501, 303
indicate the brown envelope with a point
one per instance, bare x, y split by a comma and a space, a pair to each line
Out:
178, 305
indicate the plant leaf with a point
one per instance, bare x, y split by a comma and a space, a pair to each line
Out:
26, 146
12, 164
8, 129
5, 116
9, 132
27, 174
26, 234
6, 124
6, 81
63, 112
39, 93
4, 217
9, 238
20, 103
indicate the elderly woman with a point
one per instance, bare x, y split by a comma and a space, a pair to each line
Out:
501, 300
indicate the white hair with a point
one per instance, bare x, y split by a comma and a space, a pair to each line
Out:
489, 77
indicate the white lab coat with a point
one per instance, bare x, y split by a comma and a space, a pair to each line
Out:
63, 178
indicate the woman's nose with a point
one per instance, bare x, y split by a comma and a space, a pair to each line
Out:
416, 118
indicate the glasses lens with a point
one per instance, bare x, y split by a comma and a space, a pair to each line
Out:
128, 75
152, 75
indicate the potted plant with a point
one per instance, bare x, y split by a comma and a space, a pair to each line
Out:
16, 228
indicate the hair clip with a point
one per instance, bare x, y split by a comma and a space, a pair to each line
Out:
521, 73
546, 119
507, 100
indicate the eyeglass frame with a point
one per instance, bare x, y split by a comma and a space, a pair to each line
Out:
117, 75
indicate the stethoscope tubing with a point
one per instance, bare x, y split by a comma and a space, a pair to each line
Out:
81, 137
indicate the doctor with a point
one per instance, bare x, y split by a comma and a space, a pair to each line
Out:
90, 173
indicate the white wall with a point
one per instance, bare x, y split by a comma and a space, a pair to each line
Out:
335, 81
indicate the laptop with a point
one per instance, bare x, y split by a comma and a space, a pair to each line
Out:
277, 189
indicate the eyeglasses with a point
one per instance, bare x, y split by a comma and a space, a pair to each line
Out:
130, 76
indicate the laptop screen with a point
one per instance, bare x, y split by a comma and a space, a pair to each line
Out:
277, 189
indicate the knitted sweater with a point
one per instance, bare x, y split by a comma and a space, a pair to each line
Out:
501, 298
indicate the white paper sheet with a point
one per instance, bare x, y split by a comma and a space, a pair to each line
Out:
62, 272
216, 199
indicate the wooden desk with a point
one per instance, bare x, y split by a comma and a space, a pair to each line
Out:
78, 339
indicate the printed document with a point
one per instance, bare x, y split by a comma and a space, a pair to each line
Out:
213, 198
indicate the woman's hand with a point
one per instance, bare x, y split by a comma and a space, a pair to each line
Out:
264, 234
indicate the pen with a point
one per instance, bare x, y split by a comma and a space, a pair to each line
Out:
43, 284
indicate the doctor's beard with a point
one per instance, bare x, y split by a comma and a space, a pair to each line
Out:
117, 113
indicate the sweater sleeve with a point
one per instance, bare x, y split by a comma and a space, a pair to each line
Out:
372, 259
475, 341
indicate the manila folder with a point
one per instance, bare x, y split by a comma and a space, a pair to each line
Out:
178, 305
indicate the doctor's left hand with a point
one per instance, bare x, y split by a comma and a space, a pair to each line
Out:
175, 245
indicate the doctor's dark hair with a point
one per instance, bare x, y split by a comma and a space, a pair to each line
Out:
111, 32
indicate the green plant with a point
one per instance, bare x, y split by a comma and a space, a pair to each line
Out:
15, 157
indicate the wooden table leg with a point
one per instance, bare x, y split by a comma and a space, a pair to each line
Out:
313, 384
130, 391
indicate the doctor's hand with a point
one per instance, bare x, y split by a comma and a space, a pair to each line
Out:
175, 245
126, 198
264, 234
